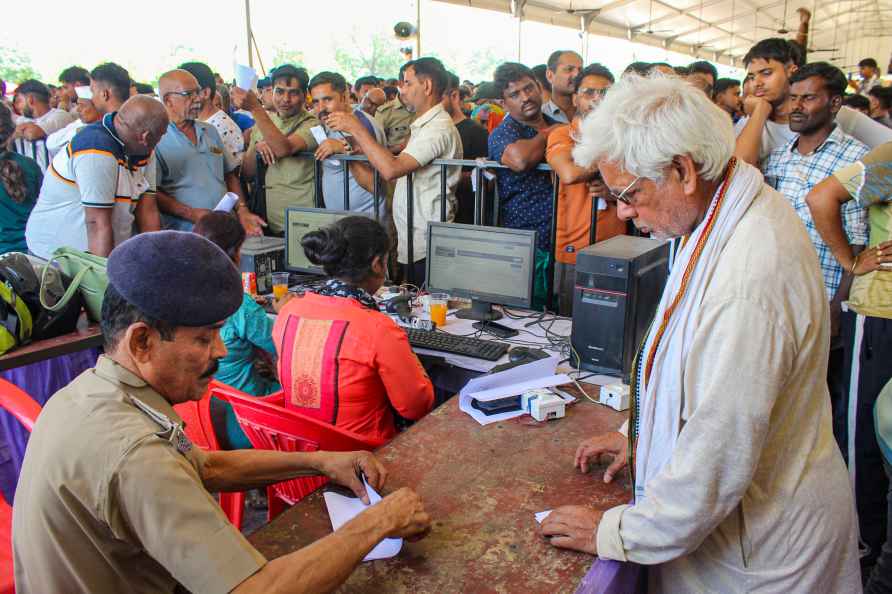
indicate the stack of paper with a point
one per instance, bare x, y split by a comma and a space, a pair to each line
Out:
511, 382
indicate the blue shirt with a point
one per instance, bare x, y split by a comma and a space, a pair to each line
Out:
361, 200
525, 198
191, 173
242, 120
248, 328
793, 174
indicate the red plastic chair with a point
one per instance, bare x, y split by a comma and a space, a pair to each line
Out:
271, 426
15, 401
200, 430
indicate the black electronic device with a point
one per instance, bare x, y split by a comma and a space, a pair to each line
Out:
498, 406
484, 264
459, 345
263, 256
496, 329
526, 354
619, 283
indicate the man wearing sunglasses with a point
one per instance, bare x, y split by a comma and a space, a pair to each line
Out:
579, 186
276, 137
192, 174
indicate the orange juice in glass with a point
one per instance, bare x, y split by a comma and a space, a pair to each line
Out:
280, 284
437, 305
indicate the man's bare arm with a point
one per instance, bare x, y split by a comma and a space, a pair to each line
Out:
100, 234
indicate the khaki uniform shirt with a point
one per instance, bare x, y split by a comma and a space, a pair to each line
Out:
396, 120
433, 137
109, 500
289, 181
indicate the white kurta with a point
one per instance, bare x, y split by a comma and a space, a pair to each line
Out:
755, 497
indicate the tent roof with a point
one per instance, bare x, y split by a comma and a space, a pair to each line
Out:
719, 30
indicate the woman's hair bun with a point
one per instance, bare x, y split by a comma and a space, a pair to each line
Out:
325, 247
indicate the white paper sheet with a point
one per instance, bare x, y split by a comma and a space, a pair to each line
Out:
342, 509
542, 515
227, 202
245, 77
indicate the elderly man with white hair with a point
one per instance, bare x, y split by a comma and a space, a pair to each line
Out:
738, 483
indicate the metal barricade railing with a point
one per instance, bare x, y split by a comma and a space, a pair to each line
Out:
444, 164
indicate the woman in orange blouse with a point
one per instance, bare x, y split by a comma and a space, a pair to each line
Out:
340, 359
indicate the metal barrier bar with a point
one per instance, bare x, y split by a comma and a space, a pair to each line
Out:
549, 275
443, 209
478, 196
345, 167
410, 223
376, 199
317, 184
593, 230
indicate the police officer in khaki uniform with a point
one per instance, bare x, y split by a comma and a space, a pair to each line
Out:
395, 118
114, 498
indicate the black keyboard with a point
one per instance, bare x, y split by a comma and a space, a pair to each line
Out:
459, 345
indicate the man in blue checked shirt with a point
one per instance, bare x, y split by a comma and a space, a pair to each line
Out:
820, 149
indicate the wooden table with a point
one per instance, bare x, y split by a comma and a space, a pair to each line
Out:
85, 337
481, 486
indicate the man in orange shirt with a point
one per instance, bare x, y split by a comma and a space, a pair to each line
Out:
579, 187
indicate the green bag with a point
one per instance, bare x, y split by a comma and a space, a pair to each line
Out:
15, 319
88, 276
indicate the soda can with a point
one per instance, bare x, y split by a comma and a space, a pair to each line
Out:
249, 282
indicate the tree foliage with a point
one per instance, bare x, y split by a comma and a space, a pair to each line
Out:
15, 67
359, 55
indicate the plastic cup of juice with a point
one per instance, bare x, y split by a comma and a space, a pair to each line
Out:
437, 305
280, 284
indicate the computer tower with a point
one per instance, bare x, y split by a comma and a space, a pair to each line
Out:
619, 283
263, 256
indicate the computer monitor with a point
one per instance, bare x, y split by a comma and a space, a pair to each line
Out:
486, 264
299, 222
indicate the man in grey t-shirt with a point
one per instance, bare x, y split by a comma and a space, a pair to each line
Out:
329, 91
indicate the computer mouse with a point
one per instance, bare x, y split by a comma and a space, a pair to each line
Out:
526, 354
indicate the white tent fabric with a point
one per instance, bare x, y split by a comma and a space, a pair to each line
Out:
842, 31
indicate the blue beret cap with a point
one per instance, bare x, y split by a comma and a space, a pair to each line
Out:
176, 277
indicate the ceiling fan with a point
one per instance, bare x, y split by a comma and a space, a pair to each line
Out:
649, 24
783, 28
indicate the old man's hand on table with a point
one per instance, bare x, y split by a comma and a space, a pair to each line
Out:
576, 526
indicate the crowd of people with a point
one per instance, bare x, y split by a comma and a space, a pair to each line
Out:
769, 354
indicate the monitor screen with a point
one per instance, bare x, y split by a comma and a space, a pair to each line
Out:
299, 222
488, 264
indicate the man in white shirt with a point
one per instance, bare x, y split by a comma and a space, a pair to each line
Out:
72, 78
433, 136
90, 198
870, 76
40, 120
330, 95
738, 483
769, 65
233, 141
87, 114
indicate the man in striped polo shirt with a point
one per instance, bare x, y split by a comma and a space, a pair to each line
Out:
99, 185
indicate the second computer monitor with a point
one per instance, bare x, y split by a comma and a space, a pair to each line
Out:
299, 222
489, 265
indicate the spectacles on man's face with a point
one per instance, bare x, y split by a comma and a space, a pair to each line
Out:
621, 197
184, 94
590, 93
